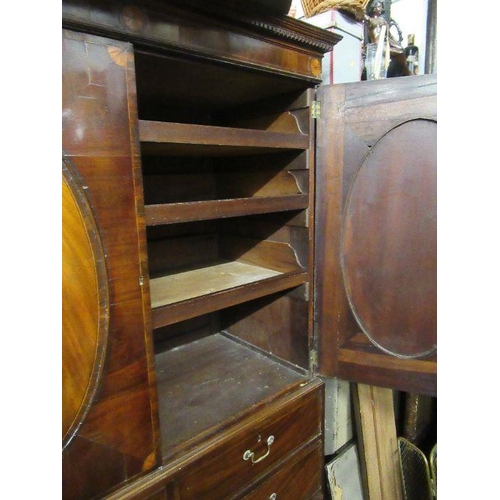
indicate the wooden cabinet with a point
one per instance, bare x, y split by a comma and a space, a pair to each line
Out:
257, 449
200, 278
298, 479
109, 424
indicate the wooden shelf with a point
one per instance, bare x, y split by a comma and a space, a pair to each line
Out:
179, 139
216, 209
200, 387
180, 296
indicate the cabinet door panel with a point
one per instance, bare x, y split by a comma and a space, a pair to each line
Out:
109, 419
376, 233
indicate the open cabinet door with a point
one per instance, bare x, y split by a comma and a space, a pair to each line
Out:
375, 301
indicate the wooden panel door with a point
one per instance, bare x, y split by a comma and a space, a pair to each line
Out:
375, 309
109, 432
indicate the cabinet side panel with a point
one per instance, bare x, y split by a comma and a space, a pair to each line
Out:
117, 438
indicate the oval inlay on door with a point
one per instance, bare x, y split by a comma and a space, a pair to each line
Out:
84, 305
389, 239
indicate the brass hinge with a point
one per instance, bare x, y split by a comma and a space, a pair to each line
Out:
316, 109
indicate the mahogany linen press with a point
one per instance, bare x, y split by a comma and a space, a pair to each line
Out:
233, 232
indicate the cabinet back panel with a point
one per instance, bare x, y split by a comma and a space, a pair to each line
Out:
168, 180
283, 121
184, 332
161, 232
263, 253
265, 241
277, 324
267, 180
273, 227
177, 179
181, 101
178, 188
174, 253
282, 228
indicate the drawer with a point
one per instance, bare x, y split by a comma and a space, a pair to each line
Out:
252, 451
297, 479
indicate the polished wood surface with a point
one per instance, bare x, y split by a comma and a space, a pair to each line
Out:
85, 305
116, 439
297, 480
205, 383
256, 322
179, 311
232, 269
389, 242
170, 180
295, 411
359, 358
223, 471
278, 44
376, 233
133, 106
243, 96
201, 140
206, 210
229, 174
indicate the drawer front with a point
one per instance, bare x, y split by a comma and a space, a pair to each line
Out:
298, 479
251, 452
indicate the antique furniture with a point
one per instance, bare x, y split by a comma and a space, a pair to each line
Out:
203, 190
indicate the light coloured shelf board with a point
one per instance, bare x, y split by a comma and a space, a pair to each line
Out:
187, 285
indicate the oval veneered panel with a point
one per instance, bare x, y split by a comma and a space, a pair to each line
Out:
389, 241
84, 306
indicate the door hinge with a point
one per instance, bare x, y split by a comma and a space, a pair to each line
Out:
316, 109
313, 361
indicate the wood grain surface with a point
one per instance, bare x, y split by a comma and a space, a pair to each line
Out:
389, 245
85, 305
117, 438
375, 243
377, 439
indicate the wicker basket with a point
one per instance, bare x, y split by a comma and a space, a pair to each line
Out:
355, 7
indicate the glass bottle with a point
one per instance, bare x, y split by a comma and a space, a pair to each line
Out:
411, 52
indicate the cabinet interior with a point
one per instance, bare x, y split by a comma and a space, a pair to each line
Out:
226, 177
195, 91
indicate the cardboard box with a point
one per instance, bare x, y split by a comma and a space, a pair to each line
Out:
344, 64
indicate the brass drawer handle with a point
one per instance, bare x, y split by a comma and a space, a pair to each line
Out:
249, 455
